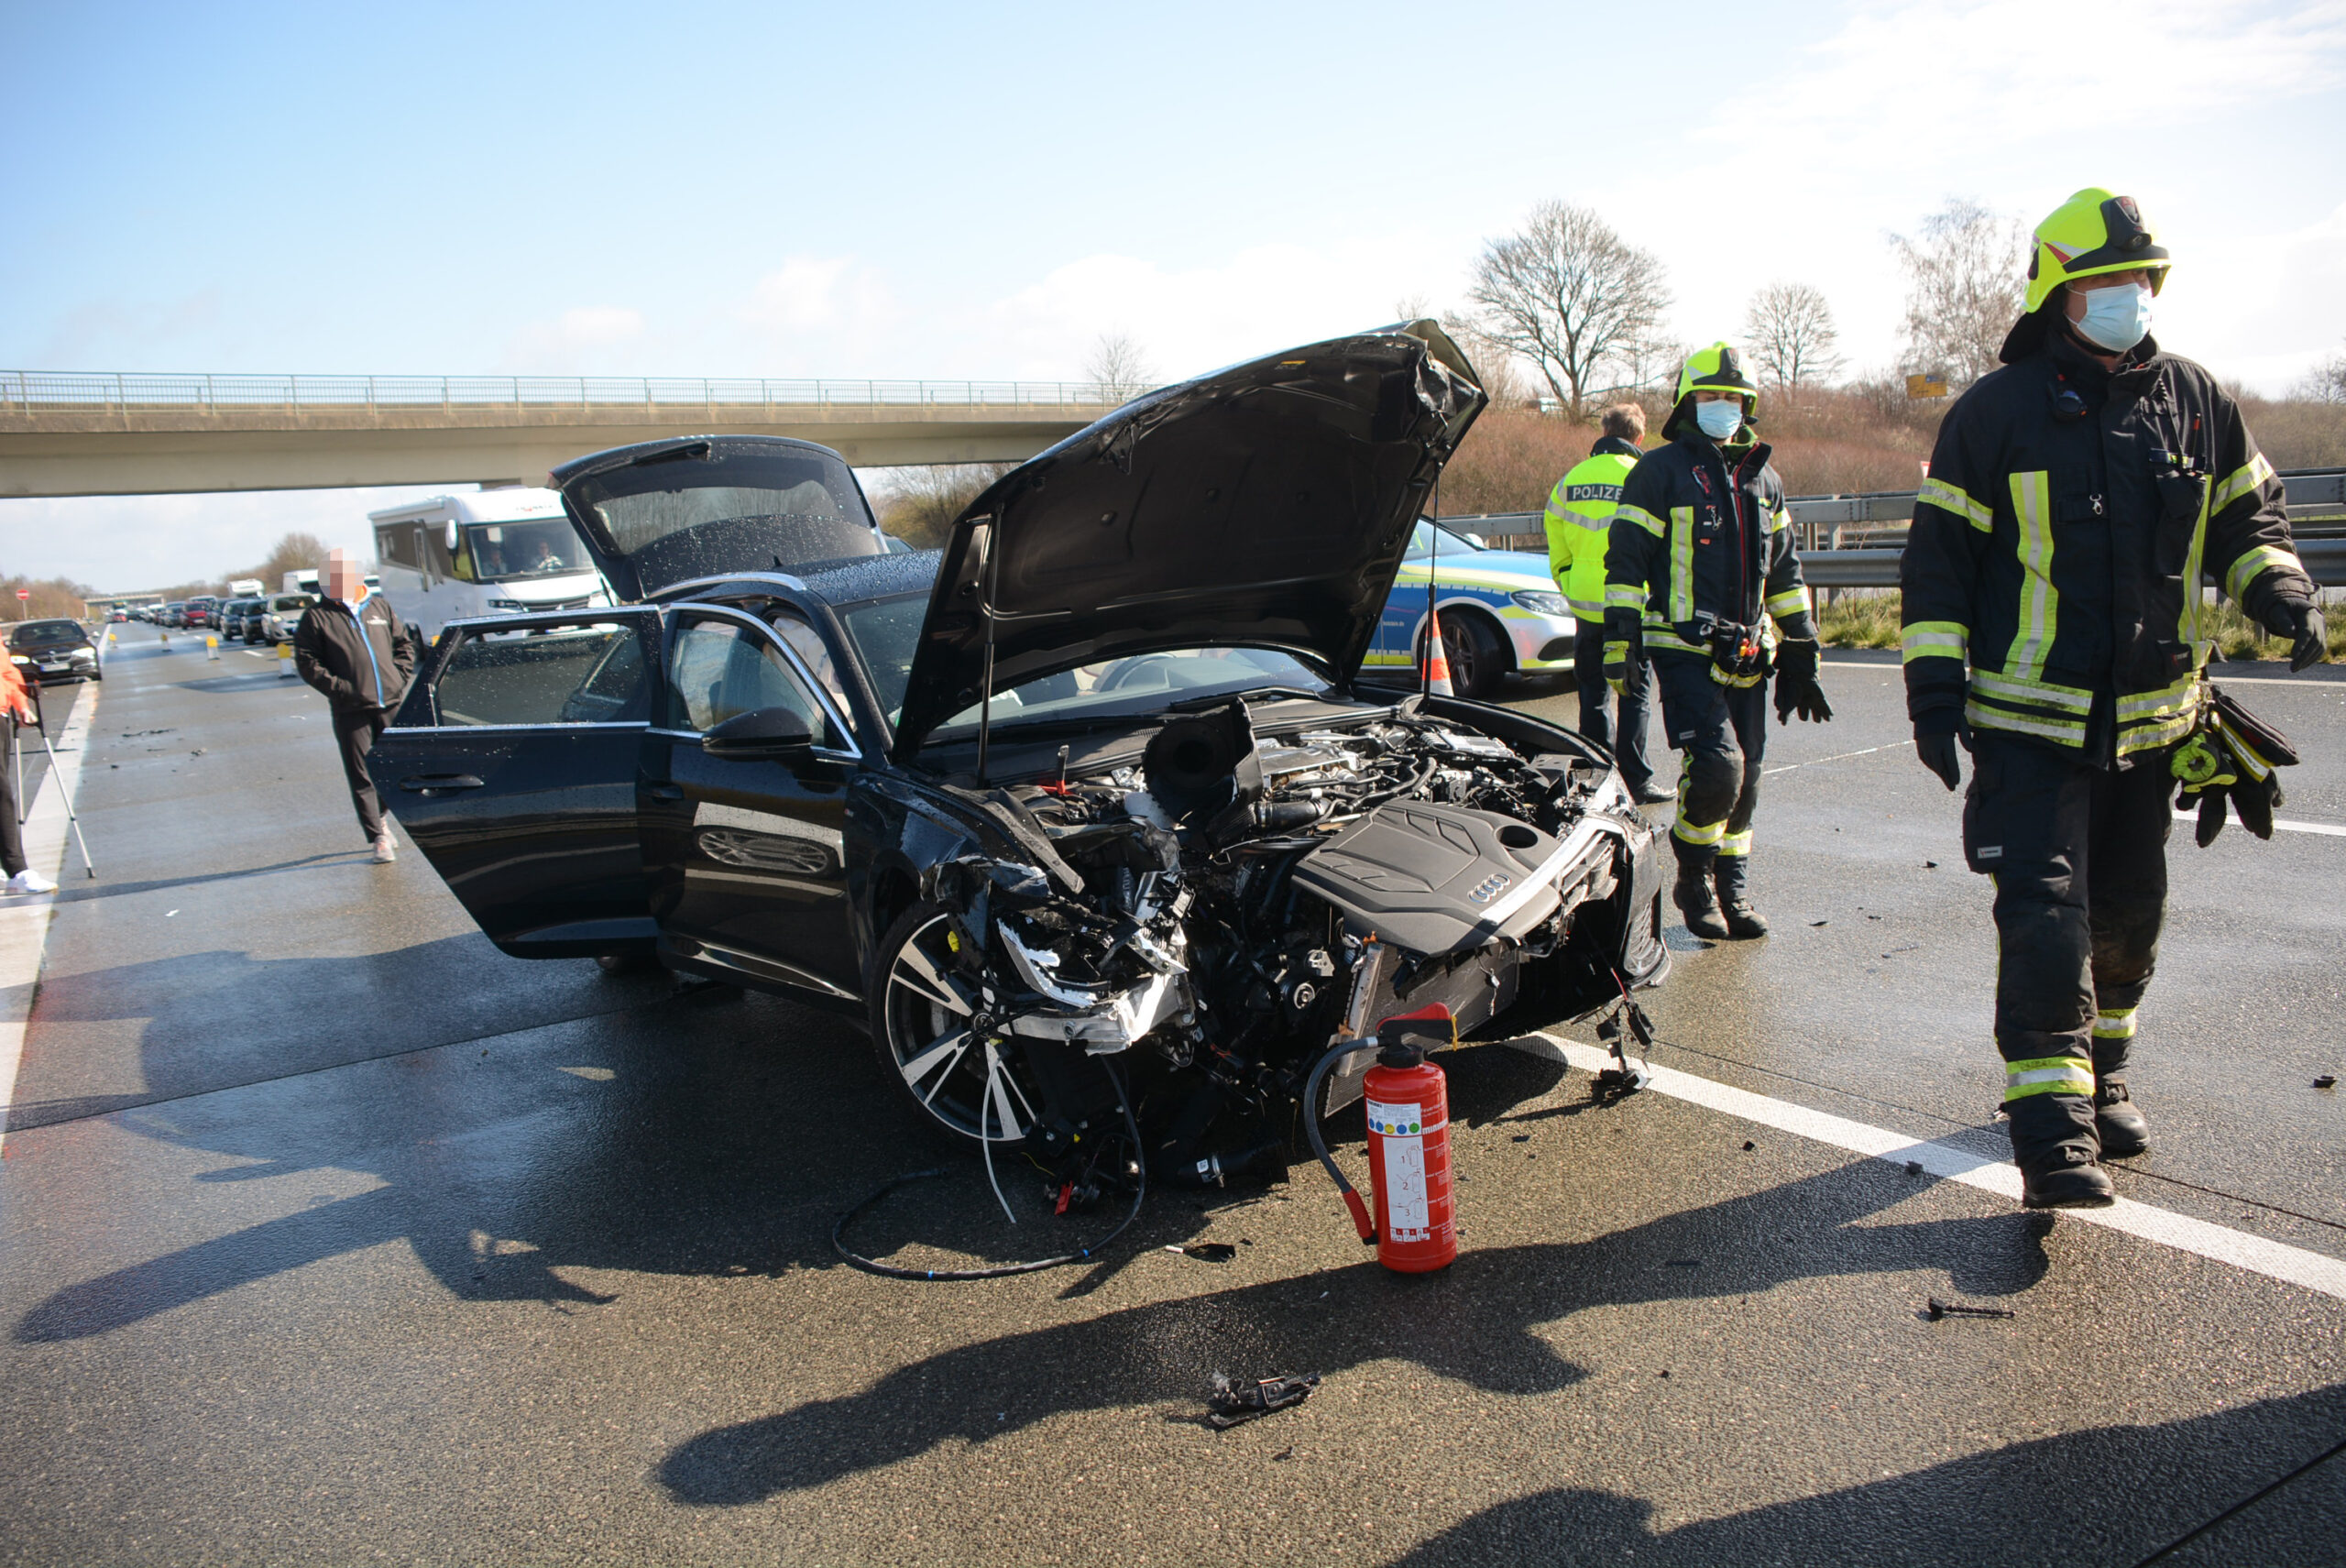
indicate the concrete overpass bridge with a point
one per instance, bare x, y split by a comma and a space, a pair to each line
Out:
78, 434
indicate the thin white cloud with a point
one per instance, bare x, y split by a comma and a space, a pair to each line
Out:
1188, 319
812, 293
1898, 81
583, 338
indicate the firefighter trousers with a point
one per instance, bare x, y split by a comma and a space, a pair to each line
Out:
2078, 854
1721, 734
1628, 740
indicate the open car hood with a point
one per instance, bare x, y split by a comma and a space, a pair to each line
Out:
699, 506
1265, 505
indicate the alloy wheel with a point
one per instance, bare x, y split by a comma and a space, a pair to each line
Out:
950, 1056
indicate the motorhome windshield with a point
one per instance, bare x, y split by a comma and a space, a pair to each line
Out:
500, 552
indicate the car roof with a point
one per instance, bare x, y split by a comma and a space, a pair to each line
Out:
872, 577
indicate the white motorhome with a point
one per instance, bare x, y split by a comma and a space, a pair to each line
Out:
493, 552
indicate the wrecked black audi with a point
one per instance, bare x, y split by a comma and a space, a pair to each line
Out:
1095, 782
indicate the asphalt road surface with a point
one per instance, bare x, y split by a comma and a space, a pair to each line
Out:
328, 1234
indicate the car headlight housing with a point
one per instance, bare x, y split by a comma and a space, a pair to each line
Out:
1539, 602
507, 604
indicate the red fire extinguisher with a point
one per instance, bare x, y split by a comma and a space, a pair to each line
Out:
1416, 1224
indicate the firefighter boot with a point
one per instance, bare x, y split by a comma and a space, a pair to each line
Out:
1731, 874
2059, 1154
1697, 903
2123, 1131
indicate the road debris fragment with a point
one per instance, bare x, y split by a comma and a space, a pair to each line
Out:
1939, 1309
1208, 1251
2327, 1081
1913, 1167
1232, 1403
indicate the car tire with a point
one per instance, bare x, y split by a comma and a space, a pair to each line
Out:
1476, 653
941, 1071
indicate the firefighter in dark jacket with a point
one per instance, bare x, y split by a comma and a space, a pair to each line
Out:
352, 647
2077, 497
1700, 570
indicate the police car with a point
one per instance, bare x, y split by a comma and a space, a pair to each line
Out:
1500, 610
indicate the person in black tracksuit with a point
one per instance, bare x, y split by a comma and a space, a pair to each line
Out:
351, 646
2076, 497
1699, 563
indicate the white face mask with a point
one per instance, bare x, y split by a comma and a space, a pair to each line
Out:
2116, 318
1719, 419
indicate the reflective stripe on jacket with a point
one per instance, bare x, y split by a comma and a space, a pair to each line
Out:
1580, 520
2052, 554
1702, 532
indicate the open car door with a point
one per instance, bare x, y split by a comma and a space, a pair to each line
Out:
513, 764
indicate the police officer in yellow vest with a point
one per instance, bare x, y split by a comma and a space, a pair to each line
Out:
1580, 519
2078, 498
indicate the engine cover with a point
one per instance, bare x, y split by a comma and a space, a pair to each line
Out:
1433, 879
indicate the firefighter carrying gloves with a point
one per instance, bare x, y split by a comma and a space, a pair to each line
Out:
1579, 521
2055, 624
1700, 571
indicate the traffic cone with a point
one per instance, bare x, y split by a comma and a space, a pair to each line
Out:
1438, 675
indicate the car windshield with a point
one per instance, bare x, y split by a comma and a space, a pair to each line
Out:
45, 633
289, 604
886, 631
499, 551
1421, 543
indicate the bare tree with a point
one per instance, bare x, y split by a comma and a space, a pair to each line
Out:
1568, 295
1964, 289
918, 504
1789, 329
293, 553
2325, 383
1496, 365
1119, 369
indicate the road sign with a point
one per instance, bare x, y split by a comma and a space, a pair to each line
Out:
23, 593
1926, 386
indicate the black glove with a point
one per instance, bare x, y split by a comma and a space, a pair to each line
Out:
2298, 619
1936, 736
1796, 687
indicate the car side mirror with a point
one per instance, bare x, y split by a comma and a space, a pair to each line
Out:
448, 536
764, 732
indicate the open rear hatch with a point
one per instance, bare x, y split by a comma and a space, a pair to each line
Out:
669, 512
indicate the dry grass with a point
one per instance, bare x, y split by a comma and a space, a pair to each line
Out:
1838, 441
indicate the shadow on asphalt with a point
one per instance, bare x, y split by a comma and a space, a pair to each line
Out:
669, 1161
1473, 1323
2176, 1476
72, 894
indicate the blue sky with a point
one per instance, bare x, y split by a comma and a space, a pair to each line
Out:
981, 192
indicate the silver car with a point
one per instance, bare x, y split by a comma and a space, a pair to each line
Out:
282, 613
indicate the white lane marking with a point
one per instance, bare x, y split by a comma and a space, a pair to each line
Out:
2274, 1260
2328, 829
1843, 757
24, 921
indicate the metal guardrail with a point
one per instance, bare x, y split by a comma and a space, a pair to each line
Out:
35, 391
1873, 564
2325, 561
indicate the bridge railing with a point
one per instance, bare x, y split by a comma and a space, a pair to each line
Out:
36, 391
